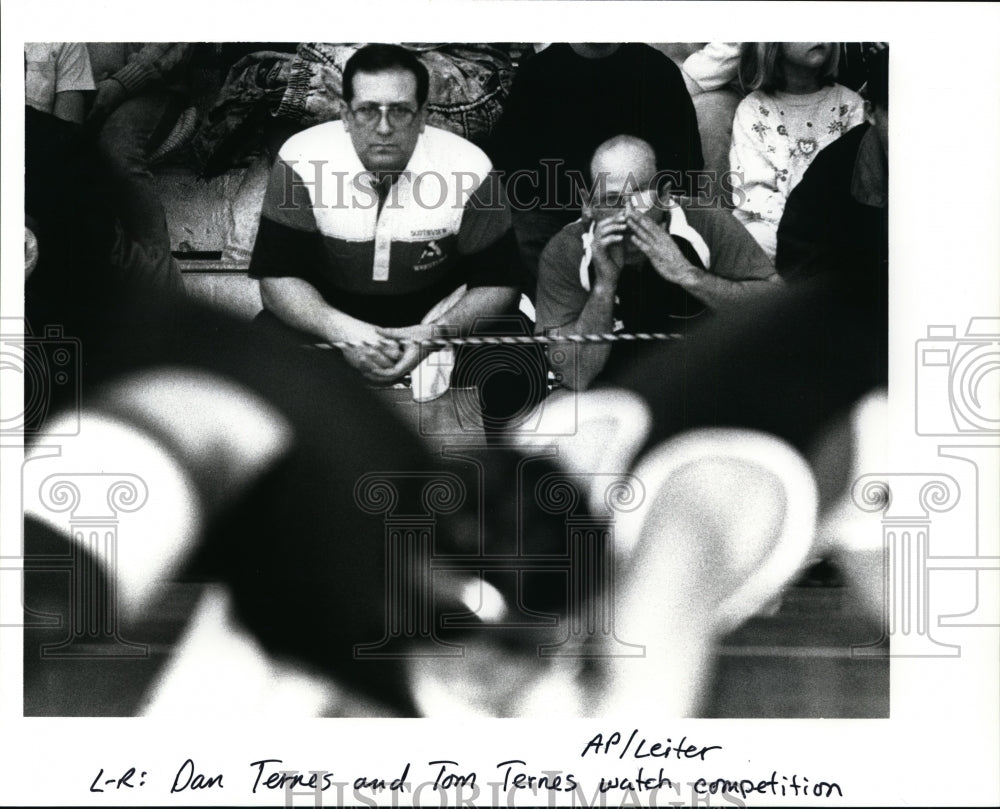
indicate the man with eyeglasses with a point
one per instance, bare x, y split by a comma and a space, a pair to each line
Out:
382, 231
639, 261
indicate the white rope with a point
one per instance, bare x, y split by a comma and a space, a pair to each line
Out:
516, 339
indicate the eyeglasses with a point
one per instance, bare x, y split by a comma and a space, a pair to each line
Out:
399, 116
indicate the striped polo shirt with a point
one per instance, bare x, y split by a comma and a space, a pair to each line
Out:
442, 223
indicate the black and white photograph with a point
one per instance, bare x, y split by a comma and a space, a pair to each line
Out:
487, 422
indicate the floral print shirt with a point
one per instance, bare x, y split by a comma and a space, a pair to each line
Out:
775, 138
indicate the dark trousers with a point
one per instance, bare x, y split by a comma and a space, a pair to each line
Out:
126, 139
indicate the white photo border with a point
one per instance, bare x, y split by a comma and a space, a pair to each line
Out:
941, 744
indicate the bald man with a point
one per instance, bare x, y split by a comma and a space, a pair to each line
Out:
639, 261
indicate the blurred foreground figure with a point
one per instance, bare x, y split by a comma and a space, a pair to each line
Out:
84, 256
237, 430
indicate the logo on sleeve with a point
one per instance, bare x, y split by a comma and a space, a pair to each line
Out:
431, 256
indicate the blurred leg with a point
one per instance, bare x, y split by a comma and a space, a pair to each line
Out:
126, 140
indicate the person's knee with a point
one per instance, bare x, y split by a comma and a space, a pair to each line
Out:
122, 150
510, 378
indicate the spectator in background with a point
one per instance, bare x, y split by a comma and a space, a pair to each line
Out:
711, 70
710, 73
567, 100
141, 91
794, 109
640, 262
711, 67
56, 76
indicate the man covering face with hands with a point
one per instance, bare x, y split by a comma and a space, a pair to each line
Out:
639, 261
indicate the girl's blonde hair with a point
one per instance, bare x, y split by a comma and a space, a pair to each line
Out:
760, 66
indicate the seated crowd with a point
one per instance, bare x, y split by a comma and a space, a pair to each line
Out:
578, 232
586, 209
